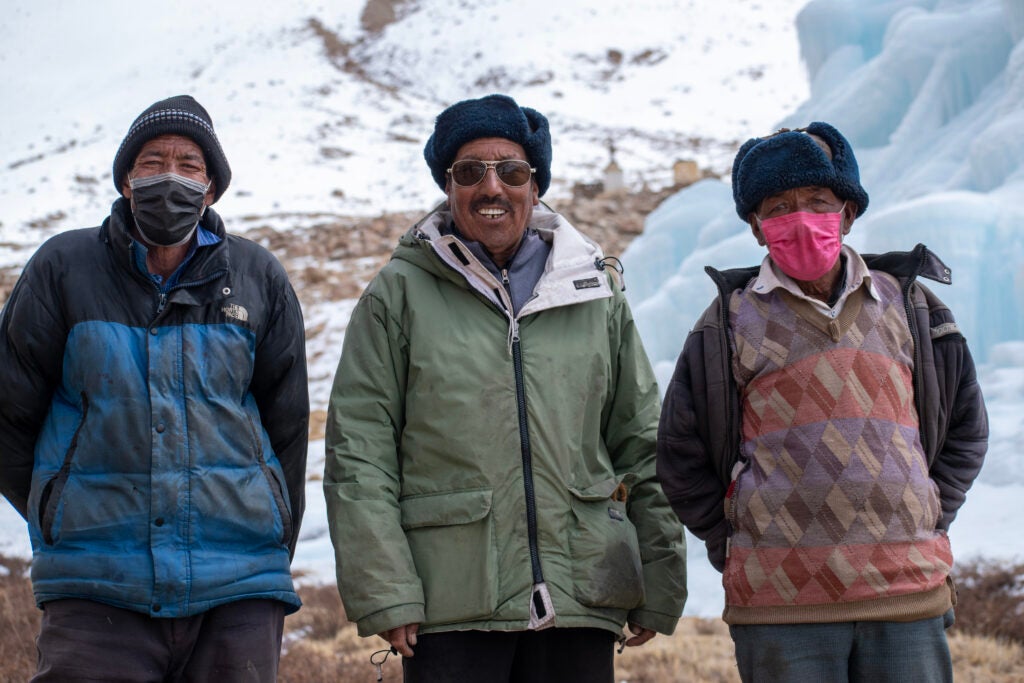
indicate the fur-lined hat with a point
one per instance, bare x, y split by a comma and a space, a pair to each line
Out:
493, 116
793, 158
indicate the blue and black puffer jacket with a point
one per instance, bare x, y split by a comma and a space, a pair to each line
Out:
155, 442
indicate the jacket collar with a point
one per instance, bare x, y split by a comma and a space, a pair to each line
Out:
919, 262
207, 263
572, 274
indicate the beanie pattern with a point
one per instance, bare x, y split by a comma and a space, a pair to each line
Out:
767, 166
493, 116
180, 115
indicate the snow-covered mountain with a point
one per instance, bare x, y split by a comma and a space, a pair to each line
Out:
325, 106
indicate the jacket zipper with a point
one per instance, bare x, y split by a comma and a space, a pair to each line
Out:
732, 447
524, 441
162, 297
524, 434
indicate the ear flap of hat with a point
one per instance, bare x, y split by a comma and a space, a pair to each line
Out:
846, 171
737, 186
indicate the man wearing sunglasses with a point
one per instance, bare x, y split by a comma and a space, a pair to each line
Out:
490, 449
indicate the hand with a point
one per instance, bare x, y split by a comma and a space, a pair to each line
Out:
640, 635
402, 638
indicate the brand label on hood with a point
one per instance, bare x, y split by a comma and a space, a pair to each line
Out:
586, 283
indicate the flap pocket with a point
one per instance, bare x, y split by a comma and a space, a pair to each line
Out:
441, 529
606, 565
445, 509
604, 489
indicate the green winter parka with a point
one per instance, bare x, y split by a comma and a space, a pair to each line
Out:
472, 453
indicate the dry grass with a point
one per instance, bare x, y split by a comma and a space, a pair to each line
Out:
990, 600
699, 650
978, 659
320, 645
19, 621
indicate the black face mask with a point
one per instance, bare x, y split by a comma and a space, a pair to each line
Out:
167, 207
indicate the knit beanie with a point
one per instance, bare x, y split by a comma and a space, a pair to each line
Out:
493, 116
791, 158
179, 115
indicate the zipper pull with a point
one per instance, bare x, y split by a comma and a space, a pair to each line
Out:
162, 303
513, 334
507, 298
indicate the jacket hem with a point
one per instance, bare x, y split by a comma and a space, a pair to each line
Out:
290, 599
575, 621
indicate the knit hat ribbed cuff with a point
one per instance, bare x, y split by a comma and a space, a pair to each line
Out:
179, 115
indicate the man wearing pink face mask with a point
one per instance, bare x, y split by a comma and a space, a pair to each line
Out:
821, 430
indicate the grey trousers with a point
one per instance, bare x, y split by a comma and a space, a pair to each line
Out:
82, 640
854, 652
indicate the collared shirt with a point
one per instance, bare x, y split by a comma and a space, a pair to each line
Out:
204, 238
771, 277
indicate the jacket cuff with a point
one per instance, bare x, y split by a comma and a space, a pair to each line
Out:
656, 621
390, 618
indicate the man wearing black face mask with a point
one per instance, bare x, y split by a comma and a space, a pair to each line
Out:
153, 427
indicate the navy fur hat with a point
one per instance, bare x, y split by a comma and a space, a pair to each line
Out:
179, 115
791, 158
493, 116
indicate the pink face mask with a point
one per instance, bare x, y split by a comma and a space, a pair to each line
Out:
804, 245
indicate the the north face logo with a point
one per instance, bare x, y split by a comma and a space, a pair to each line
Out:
236, 312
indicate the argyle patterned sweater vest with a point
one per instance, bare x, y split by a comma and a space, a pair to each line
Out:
832, 510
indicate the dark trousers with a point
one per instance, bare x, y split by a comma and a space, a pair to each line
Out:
82, 640
554, 655
854, 652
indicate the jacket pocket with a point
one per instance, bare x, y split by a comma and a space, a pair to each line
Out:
451, 537
730, 505
276, 486
732, 493
49, 499
607, 570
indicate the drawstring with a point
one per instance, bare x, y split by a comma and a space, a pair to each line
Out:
616, 265
379, 664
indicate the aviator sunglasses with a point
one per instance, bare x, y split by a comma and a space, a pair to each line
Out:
511, 172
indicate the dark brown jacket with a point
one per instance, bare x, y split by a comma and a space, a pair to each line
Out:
699, 431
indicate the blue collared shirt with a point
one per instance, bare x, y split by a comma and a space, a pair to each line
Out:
204, 238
